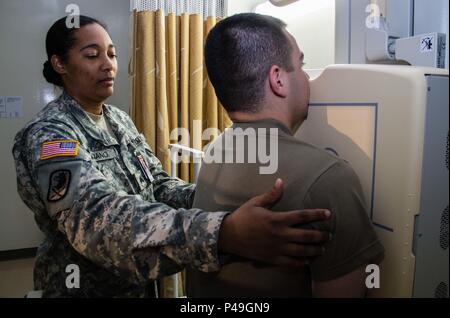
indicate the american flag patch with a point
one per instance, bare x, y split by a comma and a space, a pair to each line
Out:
59, 148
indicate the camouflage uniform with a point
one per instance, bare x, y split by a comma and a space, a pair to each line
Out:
123, 225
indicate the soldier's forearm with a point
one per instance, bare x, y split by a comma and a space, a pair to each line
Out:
146, 239
174, 192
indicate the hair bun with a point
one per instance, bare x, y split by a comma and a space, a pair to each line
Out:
50, 74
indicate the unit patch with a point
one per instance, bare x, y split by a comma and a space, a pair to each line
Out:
58, 185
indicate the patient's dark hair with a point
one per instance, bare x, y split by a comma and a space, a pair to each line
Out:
60, 39
239, 52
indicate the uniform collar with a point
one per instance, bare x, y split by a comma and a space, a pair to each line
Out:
120, 130
262, 123
87, 123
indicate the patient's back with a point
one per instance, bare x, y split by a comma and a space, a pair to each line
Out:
312, 179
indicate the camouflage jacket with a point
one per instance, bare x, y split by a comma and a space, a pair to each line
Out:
106, 205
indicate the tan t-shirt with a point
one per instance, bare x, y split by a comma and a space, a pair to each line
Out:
313, 178
101, 122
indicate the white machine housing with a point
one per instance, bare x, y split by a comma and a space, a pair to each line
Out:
391, 123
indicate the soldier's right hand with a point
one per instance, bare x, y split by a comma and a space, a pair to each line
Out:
256, 233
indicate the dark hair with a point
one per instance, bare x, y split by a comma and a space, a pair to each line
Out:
60, 39
239, 52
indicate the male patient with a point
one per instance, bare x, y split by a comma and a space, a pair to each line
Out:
255, 67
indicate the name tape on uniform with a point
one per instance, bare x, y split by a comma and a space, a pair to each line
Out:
105, 154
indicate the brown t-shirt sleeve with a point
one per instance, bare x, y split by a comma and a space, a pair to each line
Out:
354, 242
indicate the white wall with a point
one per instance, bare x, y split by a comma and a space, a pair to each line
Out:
23, 27
312, 23
400, 17
240, 6
358, 15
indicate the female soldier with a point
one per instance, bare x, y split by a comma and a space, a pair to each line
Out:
104, 202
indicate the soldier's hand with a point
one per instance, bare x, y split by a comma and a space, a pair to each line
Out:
256, 233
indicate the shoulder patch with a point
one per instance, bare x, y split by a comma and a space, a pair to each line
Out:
58, 185
59, 148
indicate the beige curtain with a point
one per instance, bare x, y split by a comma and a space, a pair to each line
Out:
170, 89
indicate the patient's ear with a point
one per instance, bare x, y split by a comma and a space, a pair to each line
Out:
278, 81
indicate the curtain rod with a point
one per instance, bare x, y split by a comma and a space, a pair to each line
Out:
206, 7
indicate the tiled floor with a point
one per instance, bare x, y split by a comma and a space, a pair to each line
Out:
16, 278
